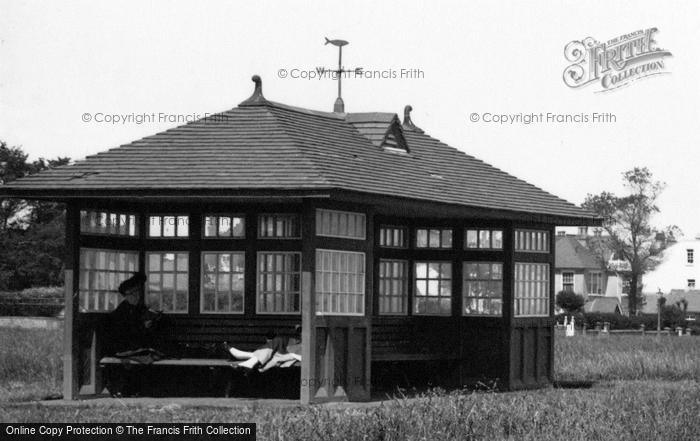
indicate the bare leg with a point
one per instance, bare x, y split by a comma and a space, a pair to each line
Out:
279, 359
249, 363
240, 355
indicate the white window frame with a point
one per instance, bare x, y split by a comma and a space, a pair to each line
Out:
319, 285
359, 216
427, 279
218, 217
113, 293
589, 276
526, 243
393, 228
259, 225
545, 282
691, 283
478, 246
690, 256
176, 272
564, 283
162, 216
466, 280
230, 292
86, 214
441, 231
285, 293
404, 282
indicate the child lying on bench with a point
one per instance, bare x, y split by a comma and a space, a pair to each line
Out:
277, 351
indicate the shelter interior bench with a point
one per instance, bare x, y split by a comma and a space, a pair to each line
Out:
225, 367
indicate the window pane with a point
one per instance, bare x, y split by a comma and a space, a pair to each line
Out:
210, 223
169, 223
224, 226
482, 288
433, 287
183, 226
106, 223
168, 283
434, 240
278, 286
422, 238
497, 239
345, 292
279, 226
531, 296
100, 273
532, 241
237, 227
472, 240
484, 239
446, 239
154, 226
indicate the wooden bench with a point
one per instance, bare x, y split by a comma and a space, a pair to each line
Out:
388, 356
211, 363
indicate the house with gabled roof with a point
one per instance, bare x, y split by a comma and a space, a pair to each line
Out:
388, 247
585, 265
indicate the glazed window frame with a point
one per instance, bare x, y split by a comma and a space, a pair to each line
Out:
331, 277
531, 294
491, 232
488, 282
295, 219
90, 222
402, 231
206, 224
440, 281
233, 272
595, 279
531, 241
329, 223
289, 277
389, 279
178, 274
162, 226
430, 235
88, 295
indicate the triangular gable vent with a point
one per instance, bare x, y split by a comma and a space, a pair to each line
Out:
394, 140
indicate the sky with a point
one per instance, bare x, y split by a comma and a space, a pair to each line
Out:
61, 61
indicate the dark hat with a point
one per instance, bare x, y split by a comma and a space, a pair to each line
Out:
136, 280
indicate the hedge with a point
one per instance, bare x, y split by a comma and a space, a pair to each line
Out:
32, 302
618, 321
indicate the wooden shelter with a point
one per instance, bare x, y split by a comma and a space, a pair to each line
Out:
389, 247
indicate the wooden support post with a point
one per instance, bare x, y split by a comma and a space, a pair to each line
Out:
308, 338
70, 343
71, 375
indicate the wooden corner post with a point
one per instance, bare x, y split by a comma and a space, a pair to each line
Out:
71, 377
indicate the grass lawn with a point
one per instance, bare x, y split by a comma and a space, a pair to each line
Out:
646, 390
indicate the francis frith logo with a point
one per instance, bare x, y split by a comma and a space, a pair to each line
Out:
616, 62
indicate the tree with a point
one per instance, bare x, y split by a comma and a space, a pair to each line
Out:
628, 222
31, 232
569, 301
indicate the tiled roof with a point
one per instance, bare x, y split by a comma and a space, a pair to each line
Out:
692, 296
262, 145
607, 305
570, 254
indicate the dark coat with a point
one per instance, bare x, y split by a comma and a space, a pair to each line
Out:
126, 328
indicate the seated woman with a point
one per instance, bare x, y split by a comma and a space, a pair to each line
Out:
276, 351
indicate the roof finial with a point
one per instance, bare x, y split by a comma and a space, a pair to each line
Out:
257, 96
407, 123
339, 106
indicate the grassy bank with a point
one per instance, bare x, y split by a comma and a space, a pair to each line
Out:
30, 363
634, 411
646, 389
627, 357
